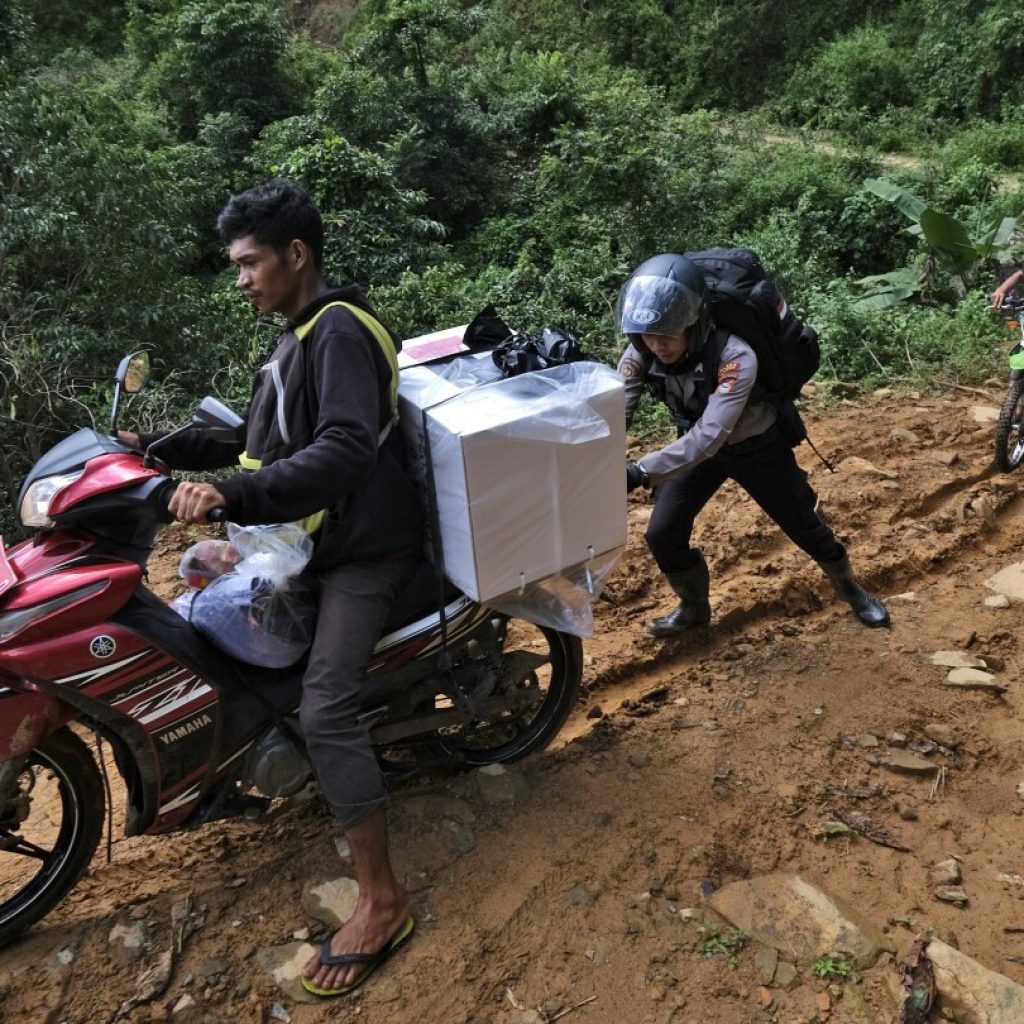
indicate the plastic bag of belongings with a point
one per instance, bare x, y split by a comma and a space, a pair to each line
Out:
255, 607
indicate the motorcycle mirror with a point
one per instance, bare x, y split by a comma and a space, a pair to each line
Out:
217, 421
133, 373
131, 377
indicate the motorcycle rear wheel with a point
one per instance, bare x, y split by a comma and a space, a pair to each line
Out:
43, 856
515, 734
1010, 429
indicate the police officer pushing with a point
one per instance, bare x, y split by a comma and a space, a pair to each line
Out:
728, 429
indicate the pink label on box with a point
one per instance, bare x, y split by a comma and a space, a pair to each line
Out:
432, 346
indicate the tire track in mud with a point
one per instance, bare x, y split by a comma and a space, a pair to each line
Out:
930, 503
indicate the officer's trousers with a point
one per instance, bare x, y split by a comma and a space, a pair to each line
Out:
765, 467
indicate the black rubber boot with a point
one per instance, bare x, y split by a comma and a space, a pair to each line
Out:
867, 607
692, 586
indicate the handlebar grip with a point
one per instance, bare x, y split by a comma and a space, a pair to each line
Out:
218, 515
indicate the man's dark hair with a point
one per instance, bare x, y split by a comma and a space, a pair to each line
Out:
274, 214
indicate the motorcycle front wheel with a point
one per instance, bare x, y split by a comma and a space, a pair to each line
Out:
51, 818
1009, 436
540, 675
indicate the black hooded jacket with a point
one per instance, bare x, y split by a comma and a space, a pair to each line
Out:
319, 406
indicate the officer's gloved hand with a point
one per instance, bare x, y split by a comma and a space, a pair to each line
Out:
635, 477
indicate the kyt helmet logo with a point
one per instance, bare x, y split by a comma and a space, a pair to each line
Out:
646, 316
102, 646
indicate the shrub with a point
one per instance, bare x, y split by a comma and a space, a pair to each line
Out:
206, 56
992, 143
852, 80
918, 342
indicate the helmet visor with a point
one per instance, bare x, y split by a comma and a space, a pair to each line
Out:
656, 305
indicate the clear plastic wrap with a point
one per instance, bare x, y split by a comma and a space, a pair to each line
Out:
255, 620
261, 612
564, 601
205, 561
182, 604
275, 552
425, 386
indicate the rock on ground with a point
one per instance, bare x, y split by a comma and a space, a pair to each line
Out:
788, 913
973, 994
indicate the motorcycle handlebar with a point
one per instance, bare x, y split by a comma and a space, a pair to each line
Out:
218, 515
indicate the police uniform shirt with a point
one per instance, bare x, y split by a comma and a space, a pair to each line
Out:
728, 419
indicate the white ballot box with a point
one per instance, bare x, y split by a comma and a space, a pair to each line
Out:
525, 476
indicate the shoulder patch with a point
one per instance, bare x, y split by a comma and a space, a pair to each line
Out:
728, 375
629, 369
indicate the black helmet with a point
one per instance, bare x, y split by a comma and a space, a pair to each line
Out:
665, 295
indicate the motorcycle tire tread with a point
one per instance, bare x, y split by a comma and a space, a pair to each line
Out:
1004, 426
64, 749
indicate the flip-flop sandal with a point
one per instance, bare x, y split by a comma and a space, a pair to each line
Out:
371, 961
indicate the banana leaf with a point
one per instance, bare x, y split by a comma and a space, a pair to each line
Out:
883, 291
949, 239
906, 202
995, 239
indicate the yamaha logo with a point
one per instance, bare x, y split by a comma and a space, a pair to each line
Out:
645, 316
102, 646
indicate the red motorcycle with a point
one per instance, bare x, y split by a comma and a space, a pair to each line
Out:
86, 650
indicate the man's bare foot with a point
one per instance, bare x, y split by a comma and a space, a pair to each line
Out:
369, 930
381, 910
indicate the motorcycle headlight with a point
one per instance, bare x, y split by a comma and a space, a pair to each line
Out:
35, 506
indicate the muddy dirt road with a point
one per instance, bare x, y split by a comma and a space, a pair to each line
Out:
689, 764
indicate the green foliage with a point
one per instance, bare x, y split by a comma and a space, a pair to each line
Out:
722, 946
954, 247
93, 251
412, 37
993, 144
967, 55
922, 343
830, 967
203, 57
444, 295
58, 24
610, 187
15, 27
798, 207
374, 228
528, 154
855, 78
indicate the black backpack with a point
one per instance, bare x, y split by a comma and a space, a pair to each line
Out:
745, 302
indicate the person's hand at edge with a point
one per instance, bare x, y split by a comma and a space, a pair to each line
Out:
998, 297
636, 477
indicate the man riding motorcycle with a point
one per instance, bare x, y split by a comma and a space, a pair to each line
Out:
319, 448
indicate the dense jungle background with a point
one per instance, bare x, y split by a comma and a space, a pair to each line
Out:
525, 154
